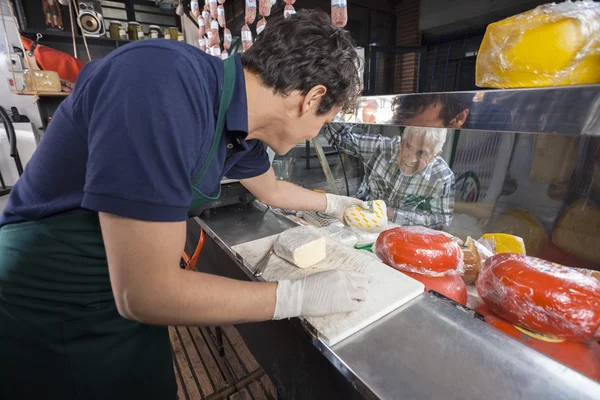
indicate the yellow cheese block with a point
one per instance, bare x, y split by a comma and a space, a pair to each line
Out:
578, 231
506, 243
524, 225
362, 219
551, 45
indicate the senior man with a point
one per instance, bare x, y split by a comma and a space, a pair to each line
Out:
406, 172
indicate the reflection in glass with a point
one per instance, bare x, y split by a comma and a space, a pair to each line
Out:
406, 172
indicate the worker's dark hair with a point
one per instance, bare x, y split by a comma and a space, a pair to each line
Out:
303, 51
406, 107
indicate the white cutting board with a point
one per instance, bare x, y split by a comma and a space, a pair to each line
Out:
388, 288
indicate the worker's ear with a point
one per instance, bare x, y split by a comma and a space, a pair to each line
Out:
459, 120
313, 99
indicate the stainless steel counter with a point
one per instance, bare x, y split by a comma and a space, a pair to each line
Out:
424, 350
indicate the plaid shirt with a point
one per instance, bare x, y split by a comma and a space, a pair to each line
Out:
425, 199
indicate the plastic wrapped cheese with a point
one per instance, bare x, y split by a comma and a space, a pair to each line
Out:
551, 45
420, 250
364, 220
303, 246
541, 296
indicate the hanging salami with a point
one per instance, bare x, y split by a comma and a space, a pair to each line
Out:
201, 27
264, 7
260, 26
246, 37
202, 43
212, 7
214, 34
195, 7
339, 13
288, 11
221, 16
250, 11
206, 16
227, 39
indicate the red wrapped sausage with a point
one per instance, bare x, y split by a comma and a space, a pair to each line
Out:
264, 7
451, 286
288, 11
541, 296
221, 16
260, 26
339, 13
420, 250
227, 38
250, 11
246, 37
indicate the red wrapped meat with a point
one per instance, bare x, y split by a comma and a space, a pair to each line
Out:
541, 296
420, 250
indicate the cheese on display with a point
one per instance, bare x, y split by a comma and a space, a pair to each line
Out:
302, 246
362, 219
506, 243
551, 45
577, 231
524, 225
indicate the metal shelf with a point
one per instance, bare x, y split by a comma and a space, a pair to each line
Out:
569, 110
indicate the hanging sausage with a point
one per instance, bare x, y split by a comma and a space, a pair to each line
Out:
339, 13
260, 26
221, 16
264, 7
250, 11
227, 38
246, 37
288, 11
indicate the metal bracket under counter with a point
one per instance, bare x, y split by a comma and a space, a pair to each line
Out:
426, 349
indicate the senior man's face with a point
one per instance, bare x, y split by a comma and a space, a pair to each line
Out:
416, 153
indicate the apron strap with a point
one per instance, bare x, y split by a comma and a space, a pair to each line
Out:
226, 95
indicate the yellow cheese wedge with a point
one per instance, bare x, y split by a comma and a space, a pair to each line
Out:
551, 45
506, 243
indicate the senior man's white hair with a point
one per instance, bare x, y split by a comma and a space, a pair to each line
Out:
436, 135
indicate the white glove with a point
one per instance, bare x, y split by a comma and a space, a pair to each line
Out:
336, 205
320, 294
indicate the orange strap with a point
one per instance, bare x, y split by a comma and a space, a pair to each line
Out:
190, 263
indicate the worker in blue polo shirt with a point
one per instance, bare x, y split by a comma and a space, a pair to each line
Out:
93, 231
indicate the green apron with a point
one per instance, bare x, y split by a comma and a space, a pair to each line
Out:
61, 335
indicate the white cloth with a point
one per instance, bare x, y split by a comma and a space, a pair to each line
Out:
320, 294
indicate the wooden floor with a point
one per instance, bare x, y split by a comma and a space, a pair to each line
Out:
203, 374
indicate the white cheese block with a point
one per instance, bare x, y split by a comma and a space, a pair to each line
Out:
302, 246
362, 219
